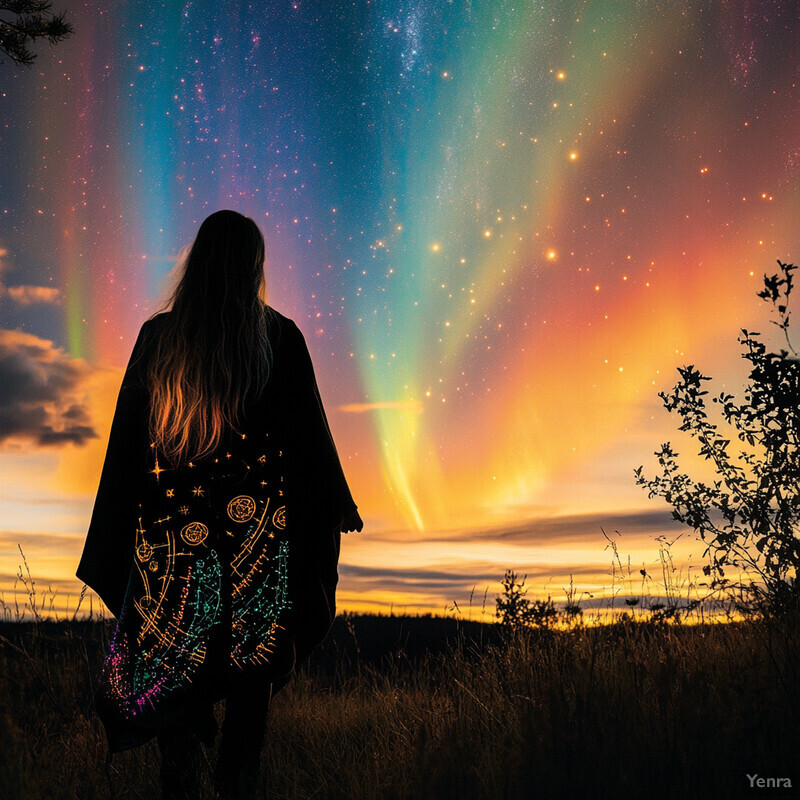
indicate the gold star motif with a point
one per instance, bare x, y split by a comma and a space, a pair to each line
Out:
157, 470
198, 491
184, 510
170, 493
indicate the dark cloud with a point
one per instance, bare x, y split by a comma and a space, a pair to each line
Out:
574, 528
436, 580
41, 392
424, 578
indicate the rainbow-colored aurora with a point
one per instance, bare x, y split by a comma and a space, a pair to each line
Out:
500, 226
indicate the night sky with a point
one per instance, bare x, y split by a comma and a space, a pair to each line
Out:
501, 227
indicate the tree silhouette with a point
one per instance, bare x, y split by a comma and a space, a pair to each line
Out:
515, 610
22, 22
757, 506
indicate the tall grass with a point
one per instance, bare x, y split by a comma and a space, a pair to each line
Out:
430, 708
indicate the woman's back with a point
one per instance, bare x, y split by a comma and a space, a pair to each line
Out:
219, 563
208, 596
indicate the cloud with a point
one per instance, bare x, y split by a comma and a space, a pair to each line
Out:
419, 577
401, 405
42, 395
35, 541
425, 581
578, 528
27, 295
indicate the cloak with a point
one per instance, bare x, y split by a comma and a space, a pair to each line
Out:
224, 565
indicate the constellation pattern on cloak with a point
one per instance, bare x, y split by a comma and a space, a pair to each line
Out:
209, 576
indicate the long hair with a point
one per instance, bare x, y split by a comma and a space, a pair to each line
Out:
213, 350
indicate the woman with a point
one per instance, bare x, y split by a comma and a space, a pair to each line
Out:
215, 533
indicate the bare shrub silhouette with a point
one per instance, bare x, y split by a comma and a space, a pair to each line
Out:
757, 501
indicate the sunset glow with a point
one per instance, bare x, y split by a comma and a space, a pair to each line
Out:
500, 229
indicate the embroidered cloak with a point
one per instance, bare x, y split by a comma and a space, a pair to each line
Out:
225, 565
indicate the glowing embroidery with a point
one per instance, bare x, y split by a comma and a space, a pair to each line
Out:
157, 470
144, 552
241, 508
174, 606
194, 533
139, 673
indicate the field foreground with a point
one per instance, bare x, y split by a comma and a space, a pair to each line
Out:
401, 707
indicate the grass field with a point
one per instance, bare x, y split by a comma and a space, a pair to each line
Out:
425, 707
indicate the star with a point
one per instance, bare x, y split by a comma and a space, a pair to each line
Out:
198, 491
157, 470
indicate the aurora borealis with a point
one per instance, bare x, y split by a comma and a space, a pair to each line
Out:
501, 226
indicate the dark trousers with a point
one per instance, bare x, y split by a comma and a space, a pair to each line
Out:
237, 772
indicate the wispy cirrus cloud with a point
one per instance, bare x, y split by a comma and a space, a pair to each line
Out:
401, 405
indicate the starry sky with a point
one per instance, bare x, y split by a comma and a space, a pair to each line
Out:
500, 225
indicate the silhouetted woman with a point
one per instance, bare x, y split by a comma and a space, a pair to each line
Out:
216, 528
